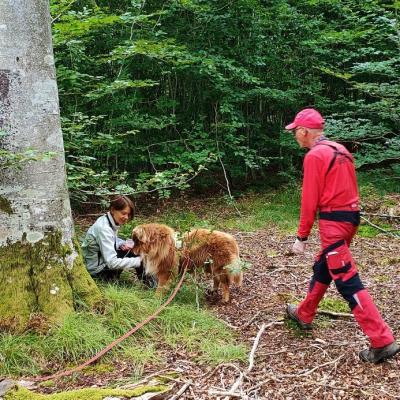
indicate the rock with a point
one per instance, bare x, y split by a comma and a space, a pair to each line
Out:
6, 385
26, 384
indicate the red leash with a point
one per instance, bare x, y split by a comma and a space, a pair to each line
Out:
115, 342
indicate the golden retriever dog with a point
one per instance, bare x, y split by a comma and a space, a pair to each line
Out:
217, 252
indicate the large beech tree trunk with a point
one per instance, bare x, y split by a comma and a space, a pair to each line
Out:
41, 272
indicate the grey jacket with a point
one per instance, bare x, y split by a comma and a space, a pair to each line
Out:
100, 246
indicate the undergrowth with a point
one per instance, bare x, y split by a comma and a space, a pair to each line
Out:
184, 324
249, 212
253, 210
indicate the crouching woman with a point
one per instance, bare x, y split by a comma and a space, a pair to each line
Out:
105, 254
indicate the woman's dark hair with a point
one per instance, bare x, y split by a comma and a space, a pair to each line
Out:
120, 202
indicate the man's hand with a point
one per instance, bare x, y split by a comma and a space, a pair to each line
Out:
299, 247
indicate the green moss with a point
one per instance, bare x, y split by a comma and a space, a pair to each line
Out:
17, 299
85, 290
334, 305
35, 280
99, 369
367, 231
49, 277
5, 205
20, 393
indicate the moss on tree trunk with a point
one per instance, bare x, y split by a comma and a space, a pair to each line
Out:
40, 283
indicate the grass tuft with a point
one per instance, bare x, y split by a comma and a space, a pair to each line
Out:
334, 304
19, 354
81, 335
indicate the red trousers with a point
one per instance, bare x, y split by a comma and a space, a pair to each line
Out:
335, 262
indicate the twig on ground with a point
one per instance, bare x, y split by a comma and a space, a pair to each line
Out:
310, 371
393, 396
285, 351
249, 298
210, 374
192, 392
229, 325
181, 390
239, 381
234, 387
347, 388
145, 379
251, 320
222, 393
274, 271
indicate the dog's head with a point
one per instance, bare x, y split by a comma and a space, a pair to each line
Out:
149, 238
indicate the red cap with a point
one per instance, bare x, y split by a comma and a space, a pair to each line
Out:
309, 118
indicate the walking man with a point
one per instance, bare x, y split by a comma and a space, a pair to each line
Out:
330, 187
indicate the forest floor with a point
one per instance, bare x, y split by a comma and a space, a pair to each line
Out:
287, 363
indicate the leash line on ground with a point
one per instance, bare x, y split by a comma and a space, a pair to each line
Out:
115, 342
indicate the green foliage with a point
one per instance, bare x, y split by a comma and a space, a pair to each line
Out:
80, 336
383, 180
158, 95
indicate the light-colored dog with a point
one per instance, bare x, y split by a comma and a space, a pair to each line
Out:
217, 252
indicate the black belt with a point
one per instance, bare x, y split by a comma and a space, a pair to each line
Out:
342, 216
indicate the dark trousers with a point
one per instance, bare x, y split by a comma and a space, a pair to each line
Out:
110, 275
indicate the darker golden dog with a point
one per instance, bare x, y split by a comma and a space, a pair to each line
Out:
217, 252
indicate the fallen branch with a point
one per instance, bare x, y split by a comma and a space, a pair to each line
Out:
145, 379
257, 340
379, 228
234, 387
335, 314
210, 374
239, 381
381, 215
230, 325
249, 298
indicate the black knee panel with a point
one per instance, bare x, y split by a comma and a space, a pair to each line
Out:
321, 272
348, 288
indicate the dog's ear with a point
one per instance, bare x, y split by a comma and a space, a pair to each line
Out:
139, 234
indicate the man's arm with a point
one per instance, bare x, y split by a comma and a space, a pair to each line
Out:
313, 181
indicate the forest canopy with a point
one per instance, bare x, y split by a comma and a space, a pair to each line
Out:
157, 95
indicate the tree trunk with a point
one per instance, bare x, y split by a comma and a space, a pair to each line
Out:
41, 272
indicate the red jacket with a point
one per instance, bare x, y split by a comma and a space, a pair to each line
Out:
329, 183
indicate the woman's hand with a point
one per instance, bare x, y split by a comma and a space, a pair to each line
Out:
127, 246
